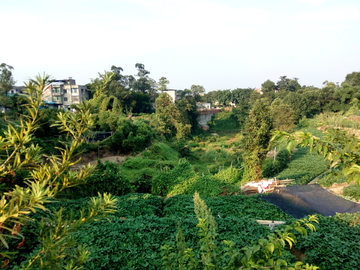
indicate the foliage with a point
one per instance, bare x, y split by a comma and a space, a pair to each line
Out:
162, 183
175, 118
139, 228
331, 177
303, 167
264, 253
140, 171
129, 136
333, 244
297, 103
256, 141
57, 249
352, 191
6, 82
161, 151
46, 180
273, 167
247, 207
224, 121
283, 115
106, 178
338, 147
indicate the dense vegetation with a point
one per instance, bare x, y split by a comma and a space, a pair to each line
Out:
170, 159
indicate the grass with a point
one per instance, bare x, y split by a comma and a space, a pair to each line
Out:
330, 178
304, 167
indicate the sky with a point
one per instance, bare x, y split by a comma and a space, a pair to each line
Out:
219, 44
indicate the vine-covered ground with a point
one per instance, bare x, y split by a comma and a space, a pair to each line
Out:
131, 239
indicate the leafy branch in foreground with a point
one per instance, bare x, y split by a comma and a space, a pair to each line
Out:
265, 254
340, 148
46, 178
57, 248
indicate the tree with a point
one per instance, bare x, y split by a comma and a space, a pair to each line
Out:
256, 141
47, 178
196, 90
353, 79
282, 114
268, 88
6, 82
175, 118
286, 84
144, 83
298, 103
162, 84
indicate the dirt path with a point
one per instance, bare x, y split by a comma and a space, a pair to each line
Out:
115, 159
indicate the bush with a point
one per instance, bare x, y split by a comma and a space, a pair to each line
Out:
334, 176
106, 178
273, 167
161, 151
129, 136
304, 166
229, 175
224, 121
162, 183
352, 191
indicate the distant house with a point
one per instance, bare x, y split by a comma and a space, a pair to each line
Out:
63, 93
174, 94
203, 106
15, 90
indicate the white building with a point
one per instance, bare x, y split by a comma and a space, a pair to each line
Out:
63, 93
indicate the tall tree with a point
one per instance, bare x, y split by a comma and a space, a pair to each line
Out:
144, 83
6, 82
162, 84
298, 103
256, 141
286, 84
353, 79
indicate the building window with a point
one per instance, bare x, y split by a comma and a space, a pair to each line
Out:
82, 91
75, 99
65, 91
74, 90
65, 98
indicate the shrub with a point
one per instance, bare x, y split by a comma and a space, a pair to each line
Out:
272, 167
352, 191
129, 136
229, 176
224, 121
162, 183
334, 176
304, 167
161, 151
106, 178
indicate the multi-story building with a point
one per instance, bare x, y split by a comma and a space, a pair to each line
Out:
174, 94
15, 90
63, 93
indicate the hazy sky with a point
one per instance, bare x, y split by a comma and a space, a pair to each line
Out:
220, 44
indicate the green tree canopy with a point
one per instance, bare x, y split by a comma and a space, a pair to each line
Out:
256, 141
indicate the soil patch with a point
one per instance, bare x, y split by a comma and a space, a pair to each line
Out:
91, 158
337, 189
299, 254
